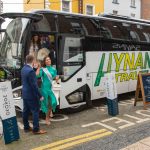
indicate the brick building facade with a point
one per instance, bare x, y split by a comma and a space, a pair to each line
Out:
145, 9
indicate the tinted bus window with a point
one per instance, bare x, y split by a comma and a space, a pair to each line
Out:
146, 33
70, 24
135, 33
114, 30
47, 24
147, 37
91, 26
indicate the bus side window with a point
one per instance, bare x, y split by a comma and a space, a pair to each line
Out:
134, 33
114, 30
91, 26
65, 25
77, 25
105, 32
47, 24
147, 36
146, 32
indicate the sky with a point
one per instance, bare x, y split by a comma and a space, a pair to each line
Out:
11, 6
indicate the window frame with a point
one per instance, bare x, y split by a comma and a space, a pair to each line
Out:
61, 55
133, 15
70, 5
133, 4
91, 5
115, 2
115, 12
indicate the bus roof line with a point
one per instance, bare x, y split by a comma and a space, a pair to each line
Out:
123, 19
35, 17
109, 15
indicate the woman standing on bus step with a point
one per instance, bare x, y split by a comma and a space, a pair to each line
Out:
35, 46
47, 73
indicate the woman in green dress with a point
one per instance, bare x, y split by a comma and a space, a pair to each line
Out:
47, 74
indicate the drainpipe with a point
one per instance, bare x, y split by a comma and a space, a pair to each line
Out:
80, 6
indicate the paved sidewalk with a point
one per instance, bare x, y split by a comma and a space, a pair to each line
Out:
141, 145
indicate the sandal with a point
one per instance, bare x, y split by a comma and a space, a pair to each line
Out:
39, 132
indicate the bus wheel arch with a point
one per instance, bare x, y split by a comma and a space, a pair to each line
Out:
81, 107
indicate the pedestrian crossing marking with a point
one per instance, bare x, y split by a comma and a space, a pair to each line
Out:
75, 140
100, 124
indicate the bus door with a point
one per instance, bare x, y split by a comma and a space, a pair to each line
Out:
71, 66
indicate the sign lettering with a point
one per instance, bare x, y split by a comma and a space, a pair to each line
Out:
123, 61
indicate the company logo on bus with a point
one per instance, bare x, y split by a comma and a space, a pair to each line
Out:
125, 61
126, 47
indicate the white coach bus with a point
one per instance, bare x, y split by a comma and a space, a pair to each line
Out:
86, 48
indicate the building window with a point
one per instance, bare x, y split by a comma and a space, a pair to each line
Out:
132, 3
115, 1
132, 15
89, 10
66, 6
115, 12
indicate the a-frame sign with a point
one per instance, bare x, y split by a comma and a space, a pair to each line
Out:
143, 89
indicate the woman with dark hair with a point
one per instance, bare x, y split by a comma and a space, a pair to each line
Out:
35, 46
47, 73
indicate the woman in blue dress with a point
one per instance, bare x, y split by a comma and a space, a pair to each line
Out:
47, 74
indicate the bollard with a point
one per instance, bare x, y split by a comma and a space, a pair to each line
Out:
112, 107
